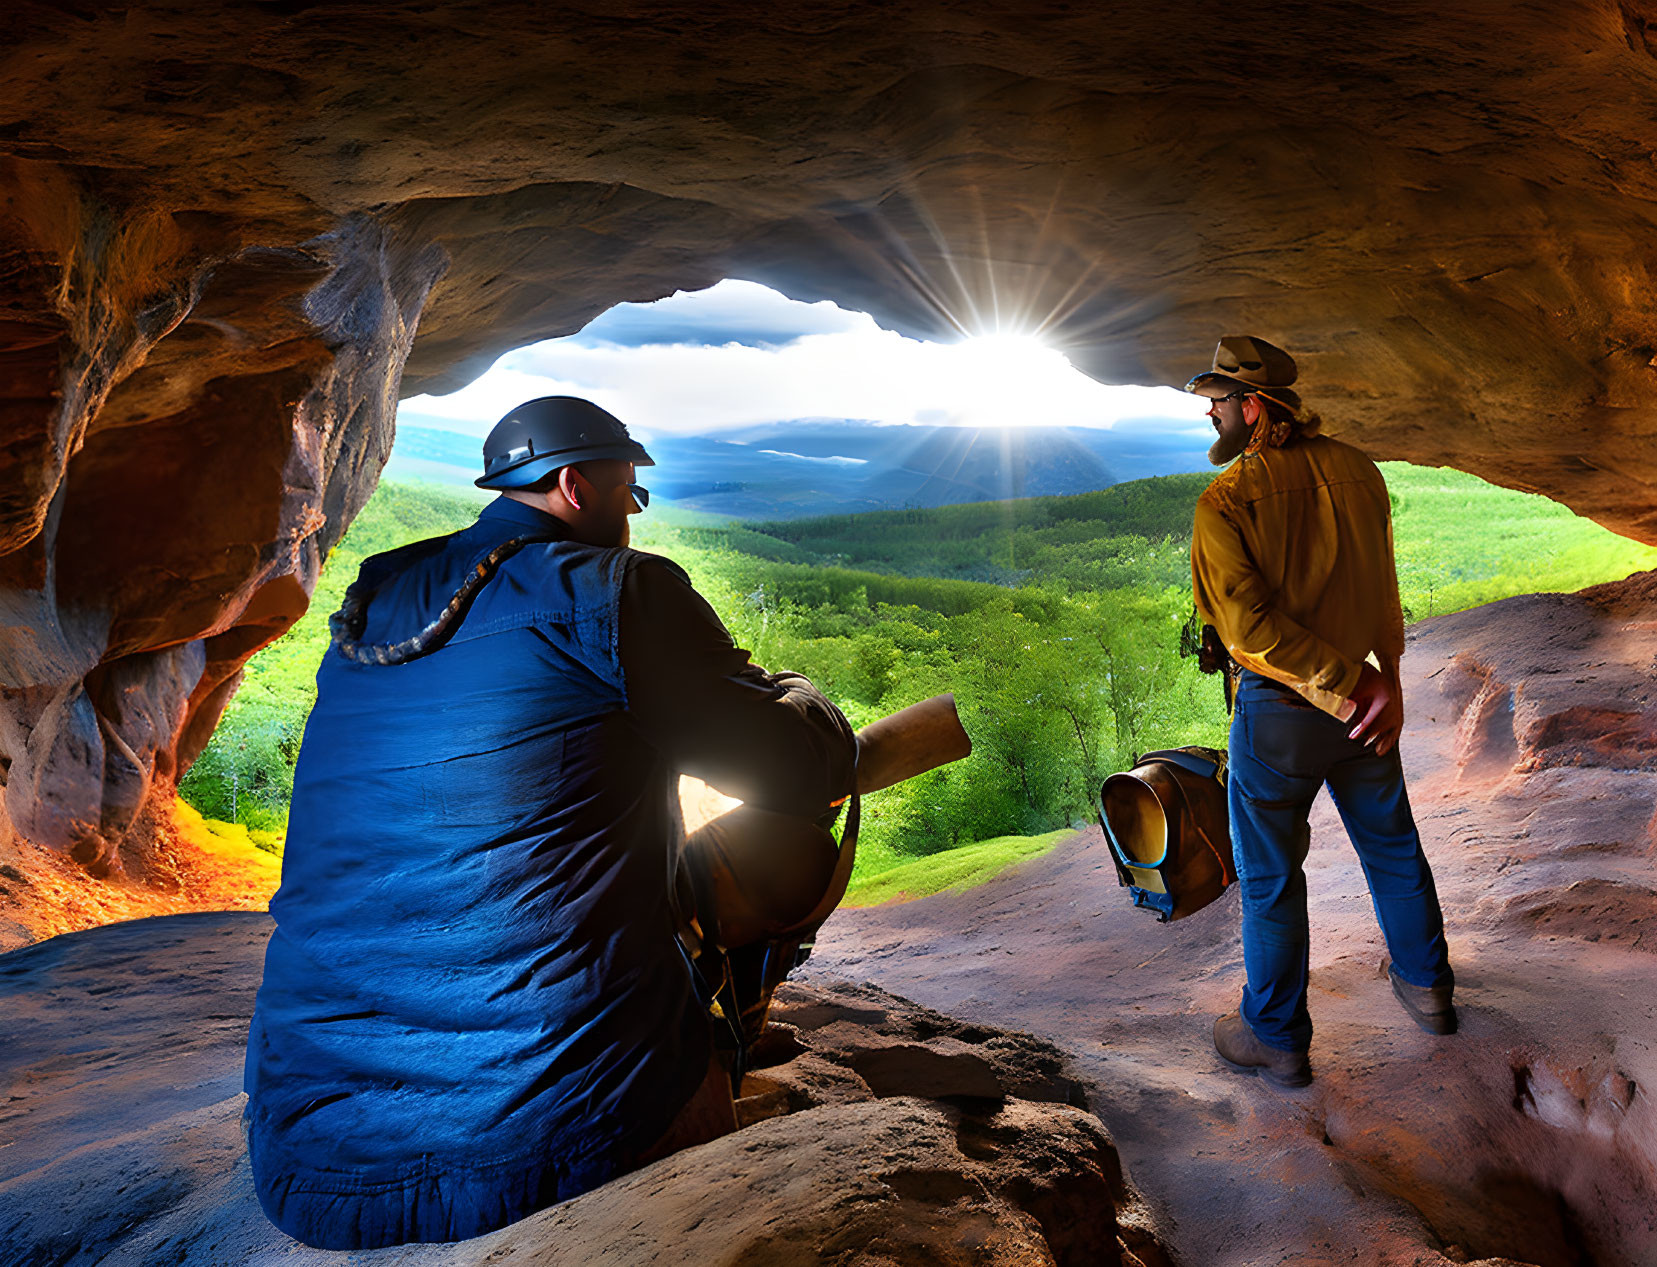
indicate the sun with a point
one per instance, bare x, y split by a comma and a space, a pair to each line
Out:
1008, 346
1012, 380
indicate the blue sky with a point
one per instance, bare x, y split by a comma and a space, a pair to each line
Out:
739, 353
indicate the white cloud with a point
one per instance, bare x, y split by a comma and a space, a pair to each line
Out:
853, 370
730, 312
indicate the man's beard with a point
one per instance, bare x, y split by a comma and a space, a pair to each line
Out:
1220, 453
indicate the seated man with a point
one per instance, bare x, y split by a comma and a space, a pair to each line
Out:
476, 1002
1291, 561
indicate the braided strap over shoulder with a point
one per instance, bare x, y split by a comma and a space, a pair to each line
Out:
347, 624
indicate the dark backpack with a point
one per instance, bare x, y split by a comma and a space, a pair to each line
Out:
1168, 830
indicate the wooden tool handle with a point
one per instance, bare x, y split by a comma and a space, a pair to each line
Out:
910, 742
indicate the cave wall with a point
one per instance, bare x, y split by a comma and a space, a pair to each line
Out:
231, 235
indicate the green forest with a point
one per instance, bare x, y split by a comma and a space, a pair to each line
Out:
1055, 621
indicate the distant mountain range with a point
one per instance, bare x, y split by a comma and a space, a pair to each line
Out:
819, 466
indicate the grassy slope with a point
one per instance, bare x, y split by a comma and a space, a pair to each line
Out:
1460, 541
956, 870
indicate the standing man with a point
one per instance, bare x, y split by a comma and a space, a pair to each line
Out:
1291, 561
476, 1002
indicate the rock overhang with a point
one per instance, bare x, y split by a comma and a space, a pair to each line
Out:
233, 235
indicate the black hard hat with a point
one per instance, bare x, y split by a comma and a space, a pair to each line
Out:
543, 435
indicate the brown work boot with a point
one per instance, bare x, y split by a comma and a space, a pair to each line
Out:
1244, 1052
1429, 1006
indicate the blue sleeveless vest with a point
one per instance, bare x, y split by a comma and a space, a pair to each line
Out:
474, 1004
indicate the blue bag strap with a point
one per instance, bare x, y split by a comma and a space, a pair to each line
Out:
1161, 903
1117, 856
1188, 761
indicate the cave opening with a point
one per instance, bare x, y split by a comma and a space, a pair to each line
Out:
767, 407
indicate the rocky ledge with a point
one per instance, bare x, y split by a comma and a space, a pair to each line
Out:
877, 1133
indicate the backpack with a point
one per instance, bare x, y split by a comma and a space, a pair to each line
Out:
1168, 830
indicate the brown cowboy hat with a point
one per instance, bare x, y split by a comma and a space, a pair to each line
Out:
1243, 363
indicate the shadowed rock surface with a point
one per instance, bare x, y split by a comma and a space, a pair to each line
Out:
120, 1136
232, 235
1531, 1135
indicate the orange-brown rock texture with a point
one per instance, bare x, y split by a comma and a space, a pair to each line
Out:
232, 234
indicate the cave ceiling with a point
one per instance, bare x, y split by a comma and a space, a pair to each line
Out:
232, 235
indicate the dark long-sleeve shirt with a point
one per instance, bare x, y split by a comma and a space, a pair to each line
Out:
770, 741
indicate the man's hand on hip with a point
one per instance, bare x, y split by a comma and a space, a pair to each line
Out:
1378, 706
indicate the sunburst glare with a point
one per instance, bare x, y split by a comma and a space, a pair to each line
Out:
1014, 380
740, 354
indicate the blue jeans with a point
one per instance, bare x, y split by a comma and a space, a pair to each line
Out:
1282, 751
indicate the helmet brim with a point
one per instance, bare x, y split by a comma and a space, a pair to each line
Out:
533, 470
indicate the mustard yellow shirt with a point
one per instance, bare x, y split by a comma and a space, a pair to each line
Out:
1291, 561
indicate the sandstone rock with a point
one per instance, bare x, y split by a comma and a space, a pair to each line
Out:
944, 1066
230, 236
120, 1140
896, 1049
